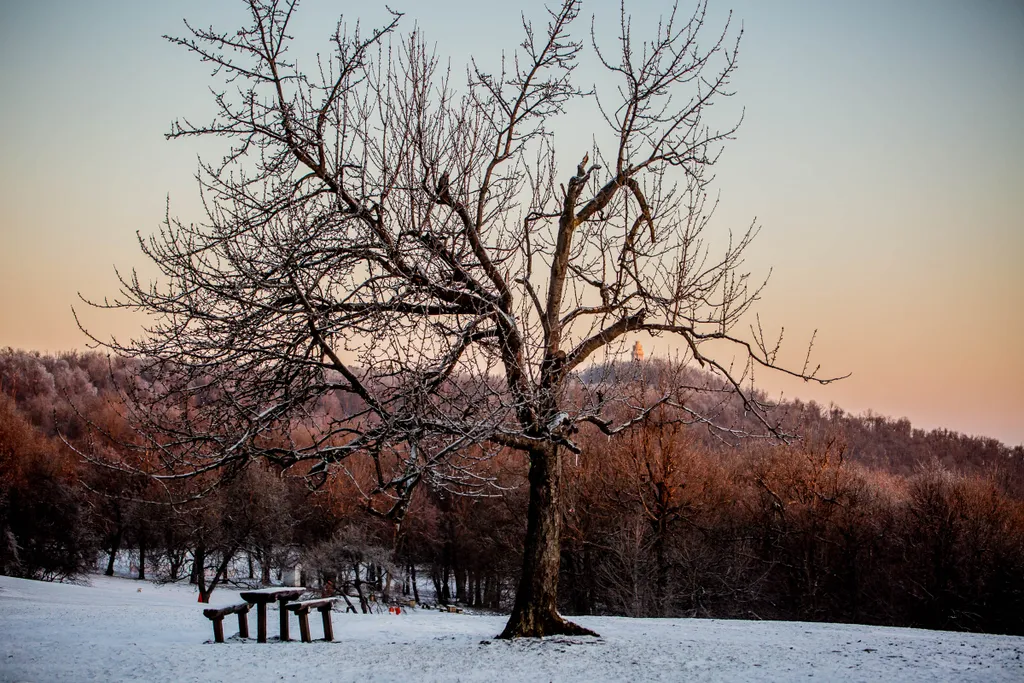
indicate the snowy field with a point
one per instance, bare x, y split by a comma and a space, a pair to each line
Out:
110, 630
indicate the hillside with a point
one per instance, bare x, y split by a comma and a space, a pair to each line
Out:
114, 629
864, 519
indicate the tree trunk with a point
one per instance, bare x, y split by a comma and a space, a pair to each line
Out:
446, 596
460, 585
142, 557
363, 604
492, 589
435, 577
115, 546
589, 579
535, 612
415, 588
175, 561
198, 573
219, 576
265, 567
572, 561
378, 577
660, 528
661, 571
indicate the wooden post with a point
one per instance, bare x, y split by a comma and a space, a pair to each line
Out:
325, 612
304, 625
261, 622
243, 624
284, 620
218, 629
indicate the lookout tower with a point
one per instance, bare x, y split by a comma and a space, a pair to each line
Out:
638, 353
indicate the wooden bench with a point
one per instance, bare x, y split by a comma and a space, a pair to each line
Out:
324, 605
217, 617
261, 598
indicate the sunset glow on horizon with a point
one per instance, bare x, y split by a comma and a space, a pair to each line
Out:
881, 151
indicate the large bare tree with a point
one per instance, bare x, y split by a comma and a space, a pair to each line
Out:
385, 231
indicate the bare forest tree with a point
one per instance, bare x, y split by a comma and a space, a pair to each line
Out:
382, 233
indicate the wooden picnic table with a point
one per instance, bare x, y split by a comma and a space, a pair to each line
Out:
261, 598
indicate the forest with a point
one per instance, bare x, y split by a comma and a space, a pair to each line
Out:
861, 519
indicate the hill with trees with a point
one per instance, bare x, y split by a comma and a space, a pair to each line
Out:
862, 519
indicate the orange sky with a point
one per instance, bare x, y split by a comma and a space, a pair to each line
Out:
882, 150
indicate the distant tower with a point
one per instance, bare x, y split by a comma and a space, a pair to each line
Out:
638, 353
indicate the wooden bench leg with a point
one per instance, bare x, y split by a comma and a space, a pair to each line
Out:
304, 626
218, 629
243, 624
261, 622
284, 621
325, 612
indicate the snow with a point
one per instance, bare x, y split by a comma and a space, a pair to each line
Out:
275, 590
117, 629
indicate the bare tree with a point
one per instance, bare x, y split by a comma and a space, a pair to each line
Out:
379, 233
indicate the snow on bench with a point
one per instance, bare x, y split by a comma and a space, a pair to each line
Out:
324, 605
217, 617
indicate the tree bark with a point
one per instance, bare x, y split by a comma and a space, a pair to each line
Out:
363, 604
661, 570
535, 612
142, 557
221, 575
460, 585
415, 588
435, 577
446, 596
115, 546
175, 561
264, 560
115, 543
198, 573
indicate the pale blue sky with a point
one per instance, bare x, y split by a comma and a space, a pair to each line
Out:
882, 150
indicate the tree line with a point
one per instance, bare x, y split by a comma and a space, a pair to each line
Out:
864, 519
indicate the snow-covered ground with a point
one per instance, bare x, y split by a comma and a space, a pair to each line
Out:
117, 629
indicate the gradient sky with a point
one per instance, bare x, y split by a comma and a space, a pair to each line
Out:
882, 150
